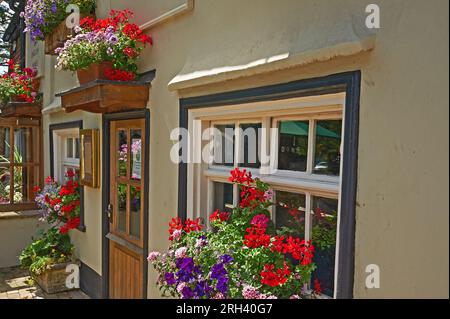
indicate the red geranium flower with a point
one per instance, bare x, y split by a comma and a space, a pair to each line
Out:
256, 237
192, 225
218, 215
274, 278
317, 287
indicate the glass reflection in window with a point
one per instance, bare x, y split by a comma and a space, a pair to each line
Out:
293, 145
327, 157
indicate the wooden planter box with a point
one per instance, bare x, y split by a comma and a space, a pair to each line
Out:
58, 37
21, 109
53, 280
104, 96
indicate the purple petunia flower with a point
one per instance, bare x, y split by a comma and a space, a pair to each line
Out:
226, 259
170, 278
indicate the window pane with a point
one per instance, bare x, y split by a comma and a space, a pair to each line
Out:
223, 195
135, 212
327, 157
122, 152
69, 147
4, 145
77, 148
251, 145
5, 178
25, 178
293, 145
136, 154
224, 145
122, 190
290, 213
323, 236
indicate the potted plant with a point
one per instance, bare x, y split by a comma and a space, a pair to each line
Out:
104, 49
48, 256
19, 92
45, 20
243, 256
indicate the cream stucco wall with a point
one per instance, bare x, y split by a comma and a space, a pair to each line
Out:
402, 199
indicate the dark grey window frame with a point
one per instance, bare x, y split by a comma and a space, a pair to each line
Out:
52, 129
348, 82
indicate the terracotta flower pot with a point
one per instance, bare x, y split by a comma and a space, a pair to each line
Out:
93, 72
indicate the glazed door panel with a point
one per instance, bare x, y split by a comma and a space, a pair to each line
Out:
126, 253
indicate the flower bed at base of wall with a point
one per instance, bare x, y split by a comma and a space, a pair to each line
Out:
45, 20
104, 54
19, 92
49, 254
241, 257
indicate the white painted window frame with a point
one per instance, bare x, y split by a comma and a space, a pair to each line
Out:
60, 151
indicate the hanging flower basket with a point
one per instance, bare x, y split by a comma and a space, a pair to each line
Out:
46, 20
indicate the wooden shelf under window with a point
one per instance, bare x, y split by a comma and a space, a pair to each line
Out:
21, 109
104, 96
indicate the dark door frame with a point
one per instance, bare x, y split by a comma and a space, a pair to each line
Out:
348, 82
107, 118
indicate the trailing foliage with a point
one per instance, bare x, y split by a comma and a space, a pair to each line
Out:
50, 248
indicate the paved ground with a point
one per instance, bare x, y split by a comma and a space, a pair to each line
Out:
15, 283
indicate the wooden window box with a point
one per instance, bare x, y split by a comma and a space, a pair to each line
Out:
104, 96
21, 109
59, 36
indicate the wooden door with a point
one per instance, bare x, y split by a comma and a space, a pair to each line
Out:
126, 209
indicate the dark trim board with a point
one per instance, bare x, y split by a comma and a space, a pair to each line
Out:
90, 282
348, 82
107, 118
63, 126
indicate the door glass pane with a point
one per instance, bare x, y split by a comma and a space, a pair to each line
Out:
69, 147
4, 145
327, 156
251, 145
5, 178
224, 145
135, 211
122, 152
323, 236
223, 195
136, 153
290, 213
122, 190
293, 145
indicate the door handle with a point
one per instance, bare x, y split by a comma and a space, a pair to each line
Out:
109, 212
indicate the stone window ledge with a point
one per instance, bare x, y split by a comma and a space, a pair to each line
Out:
20, 214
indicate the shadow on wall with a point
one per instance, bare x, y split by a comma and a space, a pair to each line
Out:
16, 232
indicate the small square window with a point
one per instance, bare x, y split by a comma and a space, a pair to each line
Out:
223, 196
224, 142
327, 155
69, 147
290, 213
293, 145
251, 145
